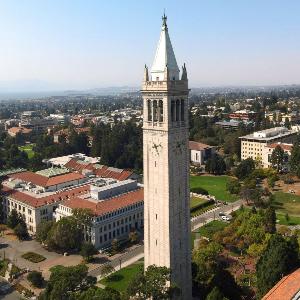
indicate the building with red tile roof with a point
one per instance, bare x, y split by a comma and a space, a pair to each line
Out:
200, 153
288, 288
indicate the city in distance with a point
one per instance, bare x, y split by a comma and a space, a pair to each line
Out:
174, 179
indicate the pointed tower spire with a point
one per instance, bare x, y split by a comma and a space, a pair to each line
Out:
146, 76
184, 73
164, 56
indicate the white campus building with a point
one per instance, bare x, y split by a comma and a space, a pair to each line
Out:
166, 166
253, 145
115, 200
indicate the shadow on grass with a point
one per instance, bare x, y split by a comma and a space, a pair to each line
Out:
114, 278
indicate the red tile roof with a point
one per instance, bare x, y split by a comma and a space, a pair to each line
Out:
102, 171
286, 288
44, 181
109, 205
40, 201
286, 147
16, 130
198, 146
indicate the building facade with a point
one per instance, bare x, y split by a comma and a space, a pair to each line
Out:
252, 145
166, 165
200, 153
268, 150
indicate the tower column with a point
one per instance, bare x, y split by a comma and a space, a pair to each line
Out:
166, 167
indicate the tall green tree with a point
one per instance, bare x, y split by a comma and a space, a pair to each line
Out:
270, 222
277, 158
245, 168
66, 282
280, 257
152, 284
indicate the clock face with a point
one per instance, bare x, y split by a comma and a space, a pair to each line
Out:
156, 147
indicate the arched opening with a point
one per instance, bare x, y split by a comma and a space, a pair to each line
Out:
149, 108
161, 111
182, 110
154, 110
177, 109
172, 110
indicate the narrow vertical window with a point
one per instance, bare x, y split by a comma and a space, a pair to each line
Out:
182, 110
161, 111
154, 111
177, 110
149, 110
172, 110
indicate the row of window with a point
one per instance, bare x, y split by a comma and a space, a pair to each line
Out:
119, 211
18, 207
122, 221
156, 111
118, 232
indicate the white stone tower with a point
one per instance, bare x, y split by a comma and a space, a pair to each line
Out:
166, 166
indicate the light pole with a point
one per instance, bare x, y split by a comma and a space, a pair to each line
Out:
120, 261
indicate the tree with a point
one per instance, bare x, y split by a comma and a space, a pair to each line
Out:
133, 236
65, 235
152, 284
99, 294
36, 279
13, 219
21, 231
87, 251
280, 257
215, 294
115, 246
244, 168
16, 222
295, 159
233, 186
43, 229
277, 158
215, 165
65, 282
270, 220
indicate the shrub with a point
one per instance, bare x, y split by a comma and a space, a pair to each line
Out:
233, 186
199, 190
202, 205
36, 279
33, 257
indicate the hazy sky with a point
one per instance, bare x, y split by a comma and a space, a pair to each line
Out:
72, 44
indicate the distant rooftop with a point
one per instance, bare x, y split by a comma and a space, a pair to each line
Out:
269, 134
51, 172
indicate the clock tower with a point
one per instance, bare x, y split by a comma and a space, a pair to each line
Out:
166, 166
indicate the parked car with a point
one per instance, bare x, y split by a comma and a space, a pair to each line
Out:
225, 218
221, 214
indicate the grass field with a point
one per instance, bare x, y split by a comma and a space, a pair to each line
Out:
292, 220
215, 185
120, 279
28, 150
287, 203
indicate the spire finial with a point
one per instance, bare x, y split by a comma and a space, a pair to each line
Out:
164, 19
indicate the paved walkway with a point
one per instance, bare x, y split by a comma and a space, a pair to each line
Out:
132, 256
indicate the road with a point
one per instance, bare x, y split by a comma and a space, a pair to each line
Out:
134, 255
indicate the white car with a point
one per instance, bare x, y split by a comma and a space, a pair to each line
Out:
225, 218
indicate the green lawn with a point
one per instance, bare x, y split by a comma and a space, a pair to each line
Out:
120, 279
215, 185
291, 221
28, 150
287, 203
